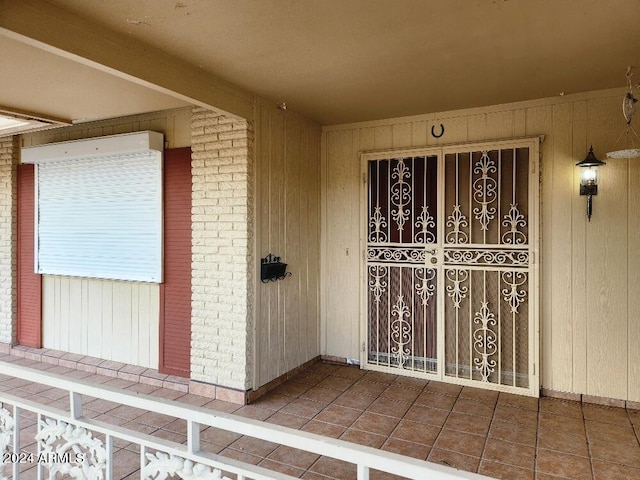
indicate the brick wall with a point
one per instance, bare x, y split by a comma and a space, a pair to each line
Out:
9, 150
222, 255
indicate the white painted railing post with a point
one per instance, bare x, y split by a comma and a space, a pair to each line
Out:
39, 465
109, 446
143, 459
193, 436
363, 472
75, 399
16, 440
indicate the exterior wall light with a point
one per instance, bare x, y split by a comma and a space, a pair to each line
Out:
589, 178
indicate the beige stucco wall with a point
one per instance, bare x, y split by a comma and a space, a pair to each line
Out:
590, 272
9, 154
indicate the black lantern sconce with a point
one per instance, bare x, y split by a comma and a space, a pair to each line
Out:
272, 269
589, 178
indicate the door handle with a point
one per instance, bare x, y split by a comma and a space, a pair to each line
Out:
432, 251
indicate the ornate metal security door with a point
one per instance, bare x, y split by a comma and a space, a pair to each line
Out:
451, 282
402, 212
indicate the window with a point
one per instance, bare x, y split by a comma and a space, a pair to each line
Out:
99, 207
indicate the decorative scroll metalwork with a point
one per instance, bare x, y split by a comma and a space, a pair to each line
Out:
377, 285
6, 434
456, 290
514, 220
512, 295
162, 465
484, 190
519, 258
400, 331
424, 222
86, 455
456, 221
415, 255
485, 341
426, 288
377, 223
400, 194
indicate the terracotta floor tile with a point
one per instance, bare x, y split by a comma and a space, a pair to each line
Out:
510, 453
431, 416
365, 387
616, 452
127, 412
454, 459
337, 383
293, 456
327, 368
471, 407
241, 456
154, 419
311, 378
504, 472
400, 394
338, 415
219, 436
557, 406
574, 426
363, 438
416, 432
255, 412
468, 423
293, 388
303, 408
324, 429
349, 372
321, 395
599, 413
282, 468
436, 400
479, 395
409, 449
563, 465
563, 442
254, 446
385, 406
354, 400
443, 388
610, 471
272, 400
516, 415
375, 423
286, 420
410, 382
461, 442
610, 432
334, 468
380, 377
222, 406
518, 401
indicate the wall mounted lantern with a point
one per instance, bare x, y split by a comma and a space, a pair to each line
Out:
589, 178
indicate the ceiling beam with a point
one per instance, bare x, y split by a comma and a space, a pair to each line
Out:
46, 27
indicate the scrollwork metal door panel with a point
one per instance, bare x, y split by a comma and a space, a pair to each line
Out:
489, 240
402, 201
450, 278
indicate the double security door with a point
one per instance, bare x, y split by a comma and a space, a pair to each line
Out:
450, 275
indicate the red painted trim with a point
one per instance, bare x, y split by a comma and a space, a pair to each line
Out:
175, 291
29, 284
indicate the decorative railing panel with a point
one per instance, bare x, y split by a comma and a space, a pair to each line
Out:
70, 445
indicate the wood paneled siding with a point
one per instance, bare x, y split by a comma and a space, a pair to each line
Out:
175, 291
288, 225
29, 289
590, 272
108, 319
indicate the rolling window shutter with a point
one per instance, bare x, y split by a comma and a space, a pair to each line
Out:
100, 216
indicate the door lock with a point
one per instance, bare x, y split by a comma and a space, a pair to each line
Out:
434, 260
432, 252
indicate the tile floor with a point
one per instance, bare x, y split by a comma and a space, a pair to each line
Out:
498, 435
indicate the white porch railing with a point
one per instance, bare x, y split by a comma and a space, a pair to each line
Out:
67, 441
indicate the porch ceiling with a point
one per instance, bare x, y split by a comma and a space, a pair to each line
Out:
333, 61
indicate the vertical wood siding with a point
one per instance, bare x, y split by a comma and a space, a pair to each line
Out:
102, 318
175, 291
288, 226
29, 283
590, 271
